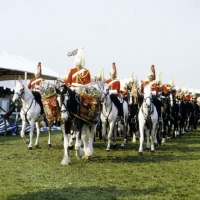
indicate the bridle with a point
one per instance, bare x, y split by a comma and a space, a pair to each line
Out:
105, 95
150, 108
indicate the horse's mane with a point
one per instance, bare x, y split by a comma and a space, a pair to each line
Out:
72, 105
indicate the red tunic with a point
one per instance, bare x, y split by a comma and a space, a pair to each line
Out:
113, 84
154, 86
34, 84
78, 77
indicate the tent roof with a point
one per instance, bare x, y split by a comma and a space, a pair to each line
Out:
13, 66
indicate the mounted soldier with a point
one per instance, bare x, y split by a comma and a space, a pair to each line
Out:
114, 91
79, 75
34, 86
155, 86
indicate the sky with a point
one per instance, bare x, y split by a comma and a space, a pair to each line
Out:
132, 33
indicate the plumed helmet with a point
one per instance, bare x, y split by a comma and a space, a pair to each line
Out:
80, 58
39, 69
171, 83
159, 78
178, 88
131, 77
193, 94
113, 70
152, 72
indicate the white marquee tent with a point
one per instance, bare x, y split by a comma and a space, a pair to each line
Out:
13, 66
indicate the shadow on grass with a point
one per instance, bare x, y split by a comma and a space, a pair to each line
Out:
87, 193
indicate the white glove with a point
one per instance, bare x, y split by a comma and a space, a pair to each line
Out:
113, 92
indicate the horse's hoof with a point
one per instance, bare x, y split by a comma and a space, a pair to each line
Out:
49, 145
152, 151
71, 147
29, 148
107, 149
36, 146
86, 157
156, 144
147, 149
114, 146
122, 147
140, 154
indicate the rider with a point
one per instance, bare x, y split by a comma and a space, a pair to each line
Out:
79, 75
151, 79
34, 85
114, 91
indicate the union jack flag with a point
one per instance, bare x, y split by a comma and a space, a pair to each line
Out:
72, 53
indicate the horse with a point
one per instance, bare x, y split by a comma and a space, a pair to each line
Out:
72, 109
30, 113
165, 129
148, 118
109, 118
174, 114
194, 114
133, 99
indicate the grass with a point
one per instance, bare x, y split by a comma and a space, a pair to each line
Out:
172, 172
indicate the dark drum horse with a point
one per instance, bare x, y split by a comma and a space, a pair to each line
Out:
182, 114
134, 102
69, 102
174, 113
194, 116
166, 117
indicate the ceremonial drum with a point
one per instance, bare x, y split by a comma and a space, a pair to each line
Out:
90, 100
49, 99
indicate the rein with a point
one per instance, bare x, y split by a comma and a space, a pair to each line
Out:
151, 110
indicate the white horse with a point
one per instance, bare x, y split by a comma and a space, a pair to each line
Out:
30, 113
148, 118
109, 117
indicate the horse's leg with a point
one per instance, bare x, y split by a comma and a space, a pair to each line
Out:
164, 131
123, 135
90, 138
141, 129
66, 158
49, 131
79, 150
71, 140
110, 134
22, 133
31, 134
153, 136
148, 139
104, 132
37, 124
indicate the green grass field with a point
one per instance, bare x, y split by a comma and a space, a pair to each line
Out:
172, 172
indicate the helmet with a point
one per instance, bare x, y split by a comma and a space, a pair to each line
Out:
113, 70
39, 70
80, 58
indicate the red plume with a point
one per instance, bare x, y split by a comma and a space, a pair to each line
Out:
153, 70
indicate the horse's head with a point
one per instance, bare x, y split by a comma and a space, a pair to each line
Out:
147, 96
19, 91
105, 94
63, 100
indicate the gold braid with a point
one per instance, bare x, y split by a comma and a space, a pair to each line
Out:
80, 77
